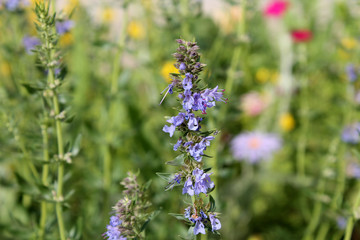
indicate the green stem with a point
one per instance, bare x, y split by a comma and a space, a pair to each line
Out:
114, 85
116, 63
351, 220
185, 25
45, 173
59, 195
323, 231
27, 158
317, 212
304, 110
112, 109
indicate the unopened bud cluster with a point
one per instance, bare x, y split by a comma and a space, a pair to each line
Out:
131, 211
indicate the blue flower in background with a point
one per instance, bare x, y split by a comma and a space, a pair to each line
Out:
350, 133
341, 222
351, 72
30, 43
64, 26
255, 146
12, 5
353, 170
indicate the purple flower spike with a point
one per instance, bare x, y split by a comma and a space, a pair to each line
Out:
194, 100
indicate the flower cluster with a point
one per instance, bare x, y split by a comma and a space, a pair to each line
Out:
131, 212
202, 183
113, 231
201, 220
194, 100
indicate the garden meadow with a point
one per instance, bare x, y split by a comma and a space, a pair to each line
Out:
180, 119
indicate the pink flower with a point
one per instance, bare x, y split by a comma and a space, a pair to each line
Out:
253, 103
276, 8
301, 35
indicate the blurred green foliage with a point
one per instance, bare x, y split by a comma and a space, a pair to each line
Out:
113, 77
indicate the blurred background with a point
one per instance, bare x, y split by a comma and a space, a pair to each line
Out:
291, 74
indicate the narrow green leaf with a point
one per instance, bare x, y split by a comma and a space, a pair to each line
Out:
178, 161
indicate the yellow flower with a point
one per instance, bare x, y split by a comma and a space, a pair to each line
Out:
66, 39
168, 68
274, 77
287, 122
263, 75
343, 55
255, 237
108, 14
349, 43
136, 30
71, 5
5, 69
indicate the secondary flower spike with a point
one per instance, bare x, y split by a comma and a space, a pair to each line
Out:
194, 101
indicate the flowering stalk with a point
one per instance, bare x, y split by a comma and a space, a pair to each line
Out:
193, 142
49, 58
131, 212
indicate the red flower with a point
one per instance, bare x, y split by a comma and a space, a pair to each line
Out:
276, 8
301, 35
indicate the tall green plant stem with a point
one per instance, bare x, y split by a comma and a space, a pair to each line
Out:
27, 157
59, 193
351, 220
45, 173
113, 91
240, 51
120, 47
304, 110
185, 25
317, 211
